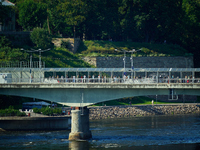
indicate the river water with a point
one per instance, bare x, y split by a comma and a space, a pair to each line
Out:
140, 133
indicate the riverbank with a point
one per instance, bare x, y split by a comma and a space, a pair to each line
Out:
105, 112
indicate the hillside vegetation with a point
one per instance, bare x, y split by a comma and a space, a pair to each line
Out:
107, 48
62, 57
171, 21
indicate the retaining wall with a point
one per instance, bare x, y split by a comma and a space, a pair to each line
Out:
105, 112
35, 123
141, 62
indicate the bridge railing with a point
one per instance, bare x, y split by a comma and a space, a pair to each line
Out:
100, 80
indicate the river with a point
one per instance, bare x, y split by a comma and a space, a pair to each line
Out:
139, 133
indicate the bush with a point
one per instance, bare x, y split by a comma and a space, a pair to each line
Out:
65, 44
41, 38
4, 42
11, 112
48, 111
21, 113
57, 111
36, 110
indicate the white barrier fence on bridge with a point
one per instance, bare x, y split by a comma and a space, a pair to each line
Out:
100, 80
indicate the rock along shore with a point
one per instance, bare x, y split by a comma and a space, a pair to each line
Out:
104, 112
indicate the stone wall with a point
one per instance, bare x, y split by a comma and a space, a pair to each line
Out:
73, 43
142, 110
141, 62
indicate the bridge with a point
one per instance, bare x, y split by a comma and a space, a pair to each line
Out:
86, 86
79, 87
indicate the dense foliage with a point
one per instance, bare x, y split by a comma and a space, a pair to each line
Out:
41, 38
8, 53
48, 111
157, 21
11, 112
137, 20
107, 48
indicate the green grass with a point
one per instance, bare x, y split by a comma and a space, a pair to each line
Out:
134, 101
107, 48
62, 57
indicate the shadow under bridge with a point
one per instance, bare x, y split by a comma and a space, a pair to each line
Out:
81, 95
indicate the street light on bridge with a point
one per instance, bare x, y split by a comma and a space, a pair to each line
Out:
40, 51
124, 59
32, 51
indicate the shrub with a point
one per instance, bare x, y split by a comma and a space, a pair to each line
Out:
41, 38
36, 110
57, 111
65, 44
20, 113
11, 112
4, 42
48, 111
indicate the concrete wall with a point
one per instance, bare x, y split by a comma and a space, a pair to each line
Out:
35, 123
141, 62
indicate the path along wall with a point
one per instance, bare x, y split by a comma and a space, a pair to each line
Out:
105, 112
141, 62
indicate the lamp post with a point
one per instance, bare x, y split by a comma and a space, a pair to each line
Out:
32, 51
124, 59
132, 51
30, 60
40, 50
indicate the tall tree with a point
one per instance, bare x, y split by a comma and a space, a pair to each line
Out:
31, 14
73, 12
191, 28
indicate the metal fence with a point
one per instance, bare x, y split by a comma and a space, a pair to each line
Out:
100, 80
22, 64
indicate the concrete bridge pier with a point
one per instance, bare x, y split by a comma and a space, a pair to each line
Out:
80, 125
85, 123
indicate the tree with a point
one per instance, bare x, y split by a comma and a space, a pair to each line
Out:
73, 12
31, 14
41, 38
7, 53
191, 28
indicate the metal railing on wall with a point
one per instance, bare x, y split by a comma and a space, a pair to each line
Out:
100, 80
21, 64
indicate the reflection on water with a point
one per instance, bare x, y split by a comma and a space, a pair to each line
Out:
79, 145
142, 133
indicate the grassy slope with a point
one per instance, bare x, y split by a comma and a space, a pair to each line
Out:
106, 48
135, 101
61, 57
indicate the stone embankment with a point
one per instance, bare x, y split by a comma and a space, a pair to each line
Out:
104, 112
